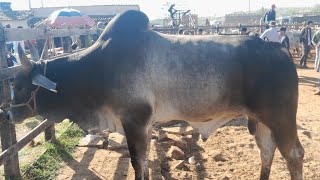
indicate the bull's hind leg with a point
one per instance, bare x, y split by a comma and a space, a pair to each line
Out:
267, 146
282, 123
290, 147
135, 124
294, 156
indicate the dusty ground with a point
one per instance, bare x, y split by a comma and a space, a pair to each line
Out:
230, 153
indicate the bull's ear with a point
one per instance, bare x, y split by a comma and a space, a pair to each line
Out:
40, 80
34, 53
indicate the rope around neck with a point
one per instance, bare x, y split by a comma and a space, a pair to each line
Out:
33, 96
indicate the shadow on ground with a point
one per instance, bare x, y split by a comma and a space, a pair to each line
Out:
308, 81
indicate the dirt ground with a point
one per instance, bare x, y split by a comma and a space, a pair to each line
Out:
230, 153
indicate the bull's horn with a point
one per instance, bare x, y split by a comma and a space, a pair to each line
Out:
34, 53
26, 63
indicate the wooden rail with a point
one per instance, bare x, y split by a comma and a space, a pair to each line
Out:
7, 73
15, 148
221, 27
44, 33
10, 145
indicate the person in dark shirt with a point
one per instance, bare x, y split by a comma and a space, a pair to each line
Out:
10, 43
306, 40
284, 40
243, 31
172, 11
270, 16
180, 32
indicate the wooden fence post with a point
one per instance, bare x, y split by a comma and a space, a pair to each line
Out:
50, 134
82, 41
40, 45
7, 130
44, 51
67, 41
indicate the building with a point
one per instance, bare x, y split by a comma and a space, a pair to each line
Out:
14, 18
242, 18
27, 18
315, 17
97, 12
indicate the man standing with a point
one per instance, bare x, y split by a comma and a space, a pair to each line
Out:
316, 43
207, 23
172, 11
270, 16
305, 39
243, 31
16, 43
284, 40
271, 34
10, 43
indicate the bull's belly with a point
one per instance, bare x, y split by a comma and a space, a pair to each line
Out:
204, 119
204, 115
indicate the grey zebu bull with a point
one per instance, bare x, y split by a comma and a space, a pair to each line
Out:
132, 77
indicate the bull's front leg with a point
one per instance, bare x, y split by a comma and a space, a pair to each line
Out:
137, 131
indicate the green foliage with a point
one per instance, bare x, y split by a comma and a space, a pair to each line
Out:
157, 21
316, 8
50, 162
32, 123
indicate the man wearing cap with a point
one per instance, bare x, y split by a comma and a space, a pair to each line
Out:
306, 40
271, 34
270, 16
284, 40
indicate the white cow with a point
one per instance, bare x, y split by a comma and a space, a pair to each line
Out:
295, 45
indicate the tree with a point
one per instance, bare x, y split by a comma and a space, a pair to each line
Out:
316, 8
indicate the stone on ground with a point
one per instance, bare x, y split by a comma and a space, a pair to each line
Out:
176, 153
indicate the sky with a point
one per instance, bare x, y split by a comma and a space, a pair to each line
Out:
157, 8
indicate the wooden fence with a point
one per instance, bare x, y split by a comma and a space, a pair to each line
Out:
10, 145
218, 28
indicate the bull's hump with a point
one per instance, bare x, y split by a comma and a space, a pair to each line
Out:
127, 22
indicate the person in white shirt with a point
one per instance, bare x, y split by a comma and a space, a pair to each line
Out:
271, 34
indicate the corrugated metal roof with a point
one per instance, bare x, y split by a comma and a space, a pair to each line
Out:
15, 15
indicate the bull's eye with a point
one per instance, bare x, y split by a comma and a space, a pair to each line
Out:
18, 89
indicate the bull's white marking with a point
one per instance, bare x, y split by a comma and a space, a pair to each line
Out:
205, 129
165, 113
266, 145
108, 121
296, 154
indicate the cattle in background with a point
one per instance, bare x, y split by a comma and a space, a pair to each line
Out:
295, 45
293, 36
133, 77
